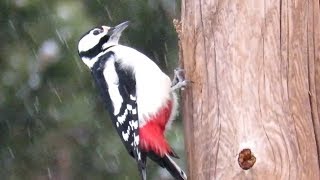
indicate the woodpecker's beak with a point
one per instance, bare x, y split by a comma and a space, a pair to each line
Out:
117, 30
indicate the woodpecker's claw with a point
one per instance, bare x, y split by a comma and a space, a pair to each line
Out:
179, 82
180, 85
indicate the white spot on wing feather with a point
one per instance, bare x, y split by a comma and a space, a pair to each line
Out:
122, 118
132, 97
126, 135
129, 107
133, 124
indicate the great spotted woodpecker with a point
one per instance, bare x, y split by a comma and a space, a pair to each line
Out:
139, 97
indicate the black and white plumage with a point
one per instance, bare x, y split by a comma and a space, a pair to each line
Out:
138, 96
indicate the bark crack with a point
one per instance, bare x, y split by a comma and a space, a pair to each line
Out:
315, 82
203, 30
281, 130
207, 81
311, 82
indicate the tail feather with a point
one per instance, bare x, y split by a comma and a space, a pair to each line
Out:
142, 166
169, 164
173, 168
143, 173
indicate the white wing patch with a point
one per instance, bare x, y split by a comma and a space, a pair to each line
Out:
112, 80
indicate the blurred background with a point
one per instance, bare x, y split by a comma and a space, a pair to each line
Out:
53, 124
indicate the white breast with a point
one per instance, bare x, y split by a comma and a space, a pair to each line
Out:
153, 87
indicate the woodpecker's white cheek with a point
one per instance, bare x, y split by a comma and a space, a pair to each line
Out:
112, 80
87, 42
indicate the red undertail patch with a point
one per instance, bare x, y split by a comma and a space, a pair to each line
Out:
152, 133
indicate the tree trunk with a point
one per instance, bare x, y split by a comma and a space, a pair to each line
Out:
256, 72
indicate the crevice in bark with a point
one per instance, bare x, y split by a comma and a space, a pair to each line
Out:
216, 86
281, 130
203, 31
311, 84
204, 44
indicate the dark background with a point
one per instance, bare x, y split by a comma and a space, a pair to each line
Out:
52, 123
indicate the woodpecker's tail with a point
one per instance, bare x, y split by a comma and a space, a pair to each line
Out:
142, 166
173, 168
169, 164
143, 173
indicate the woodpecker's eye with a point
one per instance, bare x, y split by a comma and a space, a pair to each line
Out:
96, 32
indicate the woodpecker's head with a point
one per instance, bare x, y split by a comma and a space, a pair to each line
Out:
97, 39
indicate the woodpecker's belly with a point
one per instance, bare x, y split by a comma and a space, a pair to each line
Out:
152, 95
156, 108
152, 133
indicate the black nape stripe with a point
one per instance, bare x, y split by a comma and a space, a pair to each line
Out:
96, 49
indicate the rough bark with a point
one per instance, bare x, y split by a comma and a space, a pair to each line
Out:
256, 72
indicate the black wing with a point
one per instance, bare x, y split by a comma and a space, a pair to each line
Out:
119, 95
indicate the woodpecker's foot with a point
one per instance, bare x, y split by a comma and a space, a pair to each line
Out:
179, 82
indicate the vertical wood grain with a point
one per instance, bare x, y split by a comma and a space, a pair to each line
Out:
256, 72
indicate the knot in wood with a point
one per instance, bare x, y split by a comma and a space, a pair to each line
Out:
246, 159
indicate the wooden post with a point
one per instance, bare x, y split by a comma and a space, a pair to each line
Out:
256, 72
